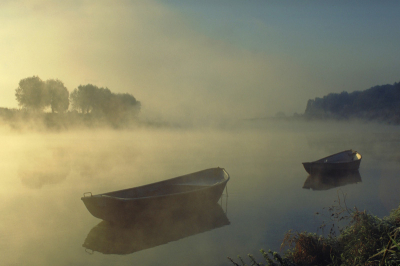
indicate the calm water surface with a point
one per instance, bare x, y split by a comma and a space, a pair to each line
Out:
44, 222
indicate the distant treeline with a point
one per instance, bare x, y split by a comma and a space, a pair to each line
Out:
377, 103
49, 104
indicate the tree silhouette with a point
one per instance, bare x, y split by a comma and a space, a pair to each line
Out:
102, 102
379, 102
32, 94
59, 95
82, 98
99, 105
123, 107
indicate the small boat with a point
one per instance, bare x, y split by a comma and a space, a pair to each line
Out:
199, 188
345, 161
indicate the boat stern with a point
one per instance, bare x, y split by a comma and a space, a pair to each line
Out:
307, 167
102, 207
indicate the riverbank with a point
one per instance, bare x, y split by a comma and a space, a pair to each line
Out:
365, 240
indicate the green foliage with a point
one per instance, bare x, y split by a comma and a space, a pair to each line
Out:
368, 234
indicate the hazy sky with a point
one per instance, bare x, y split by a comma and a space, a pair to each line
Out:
202, 60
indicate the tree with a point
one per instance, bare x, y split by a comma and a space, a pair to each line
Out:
32, 94
127, 104
102, 103
82, 98
91, 99
59, 95
123, 107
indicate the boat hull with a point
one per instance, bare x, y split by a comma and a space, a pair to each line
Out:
331, 168
117, 209
340, 163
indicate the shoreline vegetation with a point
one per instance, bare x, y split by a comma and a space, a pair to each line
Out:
48, 105
377, 104
22, 119
365, 240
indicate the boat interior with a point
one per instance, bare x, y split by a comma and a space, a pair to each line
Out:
176, 185
153, 191
342, 157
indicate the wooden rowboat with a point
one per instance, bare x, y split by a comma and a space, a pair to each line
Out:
199, 188
345, 161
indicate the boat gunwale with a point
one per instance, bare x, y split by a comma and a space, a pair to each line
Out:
321, 161
103, 195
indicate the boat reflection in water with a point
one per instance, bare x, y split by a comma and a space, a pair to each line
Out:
154, 228
325, 182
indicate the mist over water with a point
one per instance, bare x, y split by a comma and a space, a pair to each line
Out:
44, 175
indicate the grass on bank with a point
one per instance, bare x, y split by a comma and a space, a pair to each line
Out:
365, 240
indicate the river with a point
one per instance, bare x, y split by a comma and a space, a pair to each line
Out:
44, 175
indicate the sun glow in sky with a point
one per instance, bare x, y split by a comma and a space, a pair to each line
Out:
202, 60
